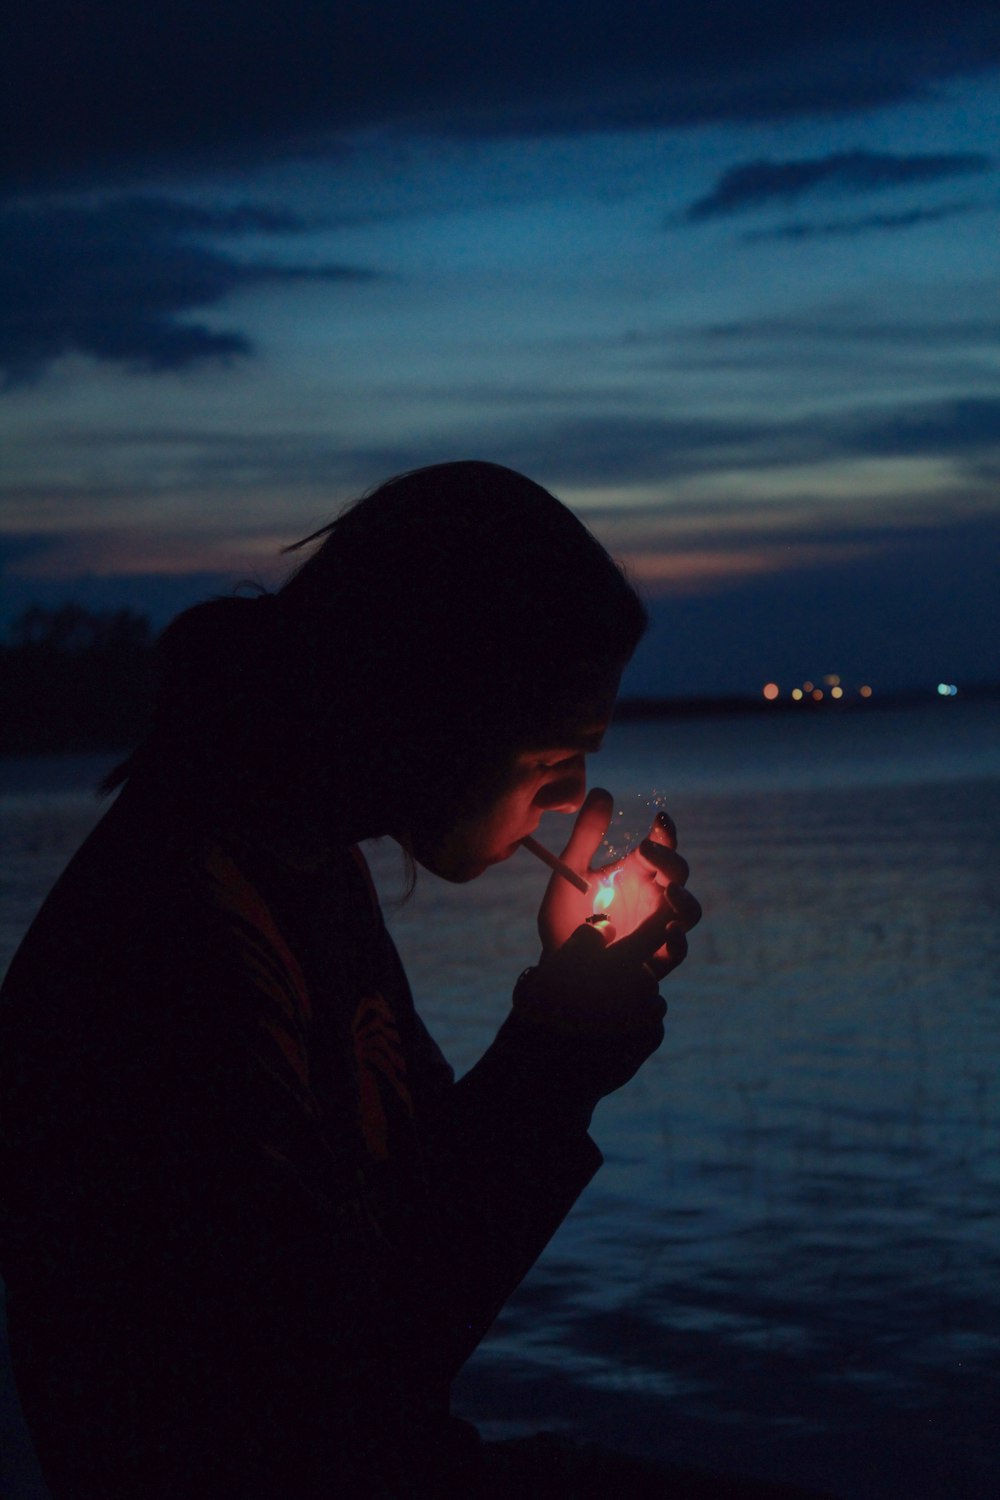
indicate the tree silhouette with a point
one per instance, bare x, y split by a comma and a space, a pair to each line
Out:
72, 628
74, 679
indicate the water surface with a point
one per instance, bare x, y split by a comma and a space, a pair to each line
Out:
790, 1263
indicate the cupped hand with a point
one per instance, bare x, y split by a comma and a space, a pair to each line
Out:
603, 996
652, 878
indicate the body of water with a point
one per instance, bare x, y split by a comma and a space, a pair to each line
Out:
789, 1265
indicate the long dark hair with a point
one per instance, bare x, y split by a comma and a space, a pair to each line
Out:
453, 612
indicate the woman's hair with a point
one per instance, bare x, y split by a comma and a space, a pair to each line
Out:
454, 612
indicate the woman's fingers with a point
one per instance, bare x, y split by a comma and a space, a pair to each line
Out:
686, 907
669, 867
660, 943
563, 908
664, 830
643, 942
589, 828
673, 952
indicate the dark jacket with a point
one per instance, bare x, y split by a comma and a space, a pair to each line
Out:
250, 1225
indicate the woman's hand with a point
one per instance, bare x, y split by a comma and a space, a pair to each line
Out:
602, 996
597, 988
653, 878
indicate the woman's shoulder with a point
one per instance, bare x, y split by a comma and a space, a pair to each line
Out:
135, 893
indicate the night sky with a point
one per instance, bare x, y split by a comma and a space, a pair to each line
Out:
723, 275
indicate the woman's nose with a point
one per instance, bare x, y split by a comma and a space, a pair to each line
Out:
567, 792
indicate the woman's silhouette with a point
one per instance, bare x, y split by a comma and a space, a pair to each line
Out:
251, 1225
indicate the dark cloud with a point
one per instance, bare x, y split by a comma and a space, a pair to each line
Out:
860, 225
754, 183
92, 89
603, 449
635, 449
948, 335
563, 452
858, 335
862, 323
323, 470
856, 344
966, 426
118, 280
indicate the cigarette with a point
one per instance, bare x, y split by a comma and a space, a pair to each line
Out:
547, 858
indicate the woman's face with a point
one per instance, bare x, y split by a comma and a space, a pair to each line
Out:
549, 776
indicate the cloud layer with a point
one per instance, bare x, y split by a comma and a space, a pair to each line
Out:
755, 183
119, 280
98, 88
860, 224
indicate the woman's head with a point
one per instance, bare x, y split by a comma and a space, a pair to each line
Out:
471, 609
448, 618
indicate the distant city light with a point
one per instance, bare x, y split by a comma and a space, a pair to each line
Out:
834, 690
947, 690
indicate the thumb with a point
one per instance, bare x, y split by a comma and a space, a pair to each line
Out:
587, 940
589, 828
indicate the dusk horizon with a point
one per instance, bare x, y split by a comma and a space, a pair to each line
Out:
723, 281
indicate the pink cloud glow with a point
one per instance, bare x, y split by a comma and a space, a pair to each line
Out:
700, 570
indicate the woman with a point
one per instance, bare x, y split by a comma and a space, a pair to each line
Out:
252, 1227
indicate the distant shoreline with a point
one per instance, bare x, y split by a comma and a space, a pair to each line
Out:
710, 707
74, 681
17, 741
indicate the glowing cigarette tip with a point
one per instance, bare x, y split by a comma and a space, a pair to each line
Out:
547, 858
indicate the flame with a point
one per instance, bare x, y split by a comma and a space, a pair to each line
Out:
606, 894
